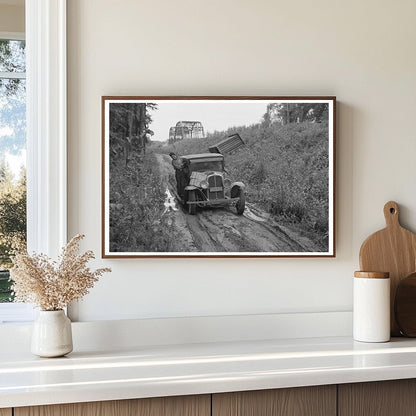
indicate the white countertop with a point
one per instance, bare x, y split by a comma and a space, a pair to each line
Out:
151, 371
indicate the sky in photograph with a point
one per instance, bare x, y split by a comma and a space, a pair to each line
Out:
214, 115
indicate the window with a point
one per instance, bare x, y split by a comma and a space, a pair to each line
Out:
12, 164
46, 134
12, 154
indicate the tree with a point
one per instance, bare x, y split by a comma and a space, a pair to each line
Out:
12, 141
130, 128
267, 117
12, 213
286, 113
12, 56
12, 97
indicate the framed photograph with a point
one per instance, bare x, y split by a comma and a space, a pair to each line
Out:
218, 176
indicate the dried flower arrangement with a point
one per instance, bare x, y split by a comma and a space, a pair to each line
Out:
53, 285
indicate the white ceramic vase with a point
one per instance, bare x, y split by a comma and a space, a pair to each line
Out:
52, 334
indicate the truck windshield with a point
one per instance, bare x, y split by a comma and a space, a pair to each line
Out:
204, 166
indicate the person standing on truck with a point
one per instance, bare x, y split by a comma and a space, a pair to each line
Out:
181, 166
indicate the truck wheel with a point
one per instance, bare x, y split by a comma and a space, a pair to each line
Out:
241, 203
192, 198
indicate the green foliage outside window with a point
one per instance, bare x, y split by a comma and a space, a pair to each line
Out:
12, 148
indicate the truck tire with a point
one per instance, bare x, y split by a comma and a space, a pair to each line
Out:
192, 198
241, 203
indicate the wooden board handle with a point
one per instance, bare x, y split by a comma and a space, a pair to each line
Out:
391, 214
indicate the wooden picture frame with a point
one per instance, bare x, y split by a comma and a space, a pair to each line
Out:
201, 176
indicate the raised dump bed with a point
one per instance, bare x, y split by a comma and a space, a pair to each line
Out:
227, 145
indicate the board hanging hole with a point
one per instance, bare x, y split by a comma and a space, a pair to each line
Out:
392, 211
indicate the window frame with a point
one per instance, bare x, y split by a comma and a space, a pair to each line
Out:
46, 137
46, 125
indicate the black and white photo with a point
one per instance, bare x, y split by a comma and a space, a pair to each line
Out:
222, 177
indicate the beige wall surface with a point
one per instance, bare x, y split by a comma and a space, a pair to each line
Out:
361, 51
12, 18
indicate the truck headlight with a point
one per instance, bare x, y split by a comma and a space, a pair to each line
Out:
204, 184
227, 183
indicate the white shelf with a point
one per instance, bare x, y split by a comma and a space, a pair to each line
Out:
151, 371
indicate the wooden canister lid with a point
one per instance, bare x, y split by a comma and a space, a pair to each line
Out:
372, 275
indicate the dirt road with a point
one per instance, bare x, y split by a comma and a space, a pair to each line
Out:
222, 230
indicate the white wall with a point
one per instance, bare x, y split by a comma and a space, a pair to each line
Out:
361, 51
12, 17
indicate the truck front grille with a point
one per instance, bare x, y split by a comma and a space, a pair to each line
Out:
216, 187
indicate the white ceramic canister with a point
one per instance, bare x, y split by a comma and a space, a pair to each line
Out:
371, 310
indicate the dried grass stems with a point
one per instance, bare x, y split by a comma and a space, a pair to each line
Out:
53, 285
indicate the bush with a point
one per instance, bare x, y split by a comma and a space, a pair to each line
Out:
285, 169
136, 206
6, 294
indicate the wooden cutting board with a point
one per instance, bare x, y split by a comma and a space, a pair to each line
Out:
393, 250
